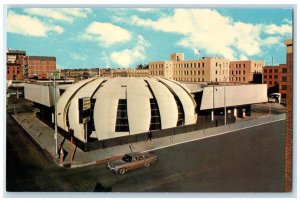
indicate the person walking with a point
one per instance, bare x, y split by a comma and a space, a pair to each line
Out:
149, 136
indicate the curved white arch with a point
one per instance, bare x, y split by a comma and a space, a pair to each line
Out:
64, 101
166, 104
73, 115
186, 100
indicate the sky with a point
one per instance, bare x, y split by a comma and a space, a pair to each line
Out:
126, 37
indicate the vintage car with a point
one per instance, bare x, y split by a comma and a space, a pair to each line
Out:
131, 161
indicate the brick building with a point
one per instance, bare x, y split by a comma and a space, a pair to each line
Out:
15, 62
276, 75
289, 117
207, 69
40, 66
243, 71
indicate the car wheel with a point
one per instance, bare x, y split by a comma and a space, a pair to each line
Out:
147, 165
122, 171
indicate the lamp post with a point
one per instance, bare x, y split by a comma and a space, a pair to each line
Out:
55, 115
225, 114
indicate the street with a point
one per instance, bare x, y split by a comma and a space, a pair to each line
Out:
250, 160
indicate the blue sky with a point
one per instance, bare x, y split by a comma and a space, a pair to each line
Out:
117, 37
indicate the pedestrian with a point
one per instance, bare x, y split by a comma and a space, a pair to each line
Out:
149, 135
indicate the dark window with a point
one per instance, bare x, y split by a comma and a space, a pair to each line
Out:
155, 123
265, 76
283, 70
216, 72
275, 77
275, 70
216, 64
265, 70
283, 95
284, 78
283, 87
270, 70
270, 76
203, 64
270, 82
244, 65
122, 119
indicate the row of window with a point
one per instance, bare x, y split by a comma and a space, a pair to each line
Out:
283, 78
238, 65
187, 65
183, 72
237, 79
238, 72
283, 70
13, 71
189, 79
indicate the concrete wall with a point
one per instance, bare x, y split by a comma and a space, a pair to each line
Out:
213, 96
39, 93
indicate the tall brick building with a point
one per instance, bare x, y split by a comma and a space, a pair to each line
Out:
40, 66
15, 64
273, 75
243, 71
289, 116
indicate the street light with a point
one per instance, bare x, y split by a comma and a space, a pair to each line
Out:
225, 114
55, 115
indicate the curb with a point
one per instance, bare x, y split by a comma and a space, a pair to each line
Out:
37, 143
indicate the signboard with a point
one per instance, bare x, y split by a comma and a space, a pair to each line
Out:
84, 107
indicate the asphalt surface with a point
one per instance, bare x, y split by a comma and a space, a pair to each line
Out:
250, 160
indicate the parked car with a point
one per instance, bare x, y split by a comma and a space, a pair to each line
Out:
131, 161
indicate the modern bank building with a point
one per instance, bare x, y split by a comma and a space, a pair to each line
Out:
105, 112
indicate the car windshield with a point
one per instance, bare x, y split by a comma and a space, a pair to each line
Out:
127, 158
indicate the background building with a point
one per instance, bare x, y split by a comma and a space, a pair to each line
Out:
243, 71
207, 69
40, 66
15, 62
276, 75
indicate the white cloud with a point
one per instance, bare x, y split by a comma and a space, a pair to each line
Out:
147, 10
276, 29
127, 57
271, 40
26, 25
59, 14
106, 34
287, 21
207, 29
243, 57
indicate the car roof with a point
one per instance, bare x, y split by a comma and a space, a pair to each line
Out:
134, 154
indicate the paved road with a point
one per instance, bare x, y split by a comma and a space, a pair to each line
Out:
250, 160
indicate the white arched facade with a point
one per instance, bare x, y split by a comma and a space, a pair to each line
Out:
135, 93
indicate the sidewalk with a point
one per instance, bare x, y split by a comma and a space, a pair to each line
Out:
43, 135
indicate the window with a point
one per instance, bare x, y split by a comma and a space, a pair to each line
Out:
216, 64
244, 72
7, 71
244, 65
283, 87
275, 70
283, 95
284, 78
203, 64
199, 72
265, 70
122, 119
155, 123
216, 72
202, 79
270, 71
270, 76
275, 77
244, 79
283, 70
202, 72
